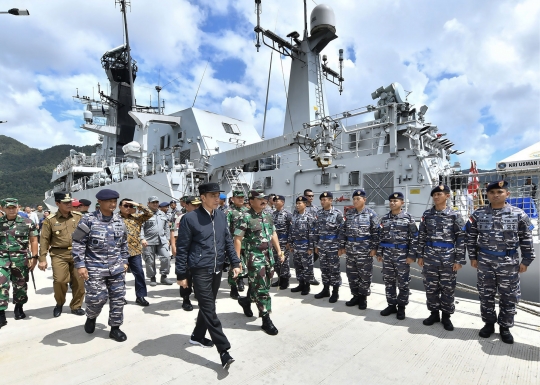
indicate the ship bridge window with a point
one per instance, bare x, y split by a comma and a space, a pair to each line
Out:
352, 141
270, 163
231, 128
164, 142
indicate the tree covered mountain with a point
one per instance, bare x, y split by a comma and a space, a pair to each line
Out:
25, 173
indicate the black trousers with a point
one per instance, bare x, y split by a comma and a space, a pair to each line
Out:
135, 265
206, 286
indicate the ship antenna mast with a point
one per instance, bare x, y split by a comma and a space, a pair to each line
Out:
123, 4
305, 19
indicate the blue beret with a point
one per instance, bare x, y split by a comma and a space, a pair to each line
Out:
222, 197
326, 194
107, 194
164, 204
359, 193
396, 195
442, 188
280, 197
497, 184
301, 199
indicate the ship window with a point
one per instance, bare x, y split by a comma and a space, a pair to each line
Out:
352, 141
231, 128
181, 136
164, 142
184, 155
268, 182
354, 178
325, 178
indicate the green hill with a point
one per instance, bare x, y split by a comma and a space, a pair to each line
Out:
25, 172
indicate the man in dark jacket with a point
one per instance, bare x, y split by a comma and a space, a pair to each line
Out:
202, 243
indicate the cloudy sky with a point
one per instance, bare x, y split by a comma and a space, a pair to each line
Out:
476, 64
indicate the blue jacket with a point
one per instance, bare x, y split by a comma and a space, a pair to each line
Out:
203, 242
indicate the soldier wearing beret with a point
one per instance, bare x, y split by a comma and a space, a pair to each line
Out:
233, 214
84, 206
18, 235
359, 238
301, 243
282, 221
441, 253
100, 251
397, 241
495, 232
327, 225
56, 240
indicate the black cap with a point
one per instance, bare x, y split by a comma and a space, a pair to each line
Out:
85, 202
442, 188
359, 193
107, 194
326, 194
396, 195
193, 200
301, 199
209, 187
280, 197
62, 196
497, 184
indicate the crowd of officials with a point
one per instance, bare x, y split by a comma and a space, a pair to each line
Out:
252, 237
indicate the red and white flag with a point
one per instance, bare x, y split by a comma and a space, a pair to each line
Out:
474, 184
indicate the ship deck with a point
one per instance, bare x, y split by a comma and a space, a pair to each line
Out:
318, 343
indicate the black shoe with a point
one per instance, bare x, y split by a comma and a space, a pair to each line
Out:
125, 301
240, 284
353, 302
90, 325
57, 310
226, 359
487, 330
446, 322
434, 317
298, 288
234, 292
3, 321
305, 290
400, 312
153, 281
204, 342
245, 302
335, 295
18, 311
324, 293
275, 284
284, 284
78, 311
186, 305
117, 334
506, 336
165, 281
362, 302
314, 282
141, 301
268, 326
390, 309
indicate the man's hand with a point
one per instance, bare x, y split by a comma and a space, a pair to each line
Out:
373, 253
409, 261
456, 267
281, 256
133, 203
236, 271
83, 273
522, 268
474, 263
125, 267
32, 264
183, 283
421, 262
42, 266
341, 252
310, 252
144, 243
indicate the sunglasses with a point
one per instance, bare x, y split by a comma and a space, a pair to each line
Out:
310, 196
128, 206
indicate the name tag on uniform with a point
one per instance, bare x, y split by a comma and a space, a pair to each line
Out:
510, 223
331, 218
485, 222
362, 219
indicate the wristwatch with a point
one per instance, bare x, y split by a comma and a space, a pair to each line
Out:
35, 256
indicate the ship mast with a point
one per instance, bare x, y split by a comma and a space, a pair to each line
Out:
123, 4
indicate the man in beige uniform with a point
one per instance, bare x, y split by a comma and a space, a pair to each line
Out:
56, 239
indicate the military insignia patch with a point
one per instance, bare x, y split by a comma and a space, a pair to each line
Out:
441, 187
501, 183
324, 194
67, 196
395, 195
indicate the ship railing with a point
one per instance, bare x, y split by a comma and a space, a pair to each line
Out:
79, 160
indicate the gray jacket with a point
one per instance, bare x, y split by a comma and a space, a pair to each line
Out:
156, 230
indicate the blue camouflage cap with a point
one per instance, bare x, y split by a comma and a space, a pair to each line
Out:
497, 184
396, 195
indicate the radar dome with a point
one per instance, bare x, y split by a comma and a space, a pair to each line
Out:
322, 17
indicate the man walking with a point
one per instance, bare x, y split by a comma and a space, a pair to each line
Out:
100, 252
155, 238
56, 240
233, 214
202, 245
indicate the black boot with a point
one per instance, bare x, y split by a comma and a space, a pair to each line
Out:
324, 293
362, 302
446, 322
284, 283
390, 309
353, 302
487, 330
245, 302
400, 312
506, 336
234, 292
275, 284
3, 321
434, 317
305, 290
186, 305
117, 334
268, 326
18, 311
90, 325
298, 288
335, 294
240, 284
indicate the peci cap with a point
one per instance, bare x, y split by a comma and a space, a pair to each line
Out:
359, 193
497, 185
209, 187
62, 196
301, 199
396, 195
442, 188
107, 194
326, 194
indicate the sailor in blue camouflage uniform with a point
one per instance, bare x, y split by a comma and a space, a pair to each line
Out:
359, 239
327, 226
494, 234
441, 253
282, 222
397, 240
301, 244
100, 253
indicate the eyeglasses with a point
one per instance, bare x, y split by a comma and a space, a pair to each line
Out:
128, 206
154, 202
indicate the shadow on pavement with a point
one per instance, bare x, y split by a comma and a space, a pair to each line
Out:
74, 335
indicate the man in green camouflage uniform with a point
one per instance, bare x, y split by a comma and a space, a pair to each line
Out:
16, 235
234, 213
256, 229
